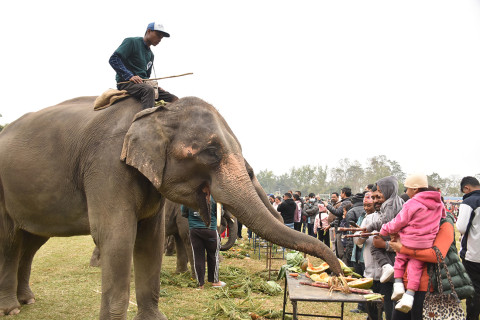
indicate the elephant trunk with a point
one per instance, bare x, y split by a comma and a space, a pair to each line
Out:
233, 187
232, 235
263, 197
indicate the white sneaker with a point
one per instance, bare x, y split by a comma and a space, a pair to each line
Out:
387, 273
405, 304
398, 291
219, 284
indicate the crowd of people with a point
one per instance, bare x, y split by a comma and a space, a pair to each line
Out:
395, 238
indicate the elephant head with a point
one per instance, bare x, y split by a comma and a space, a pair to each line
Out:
188, 151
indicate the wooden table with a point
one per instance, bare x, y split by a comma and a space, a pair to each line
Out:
298, 292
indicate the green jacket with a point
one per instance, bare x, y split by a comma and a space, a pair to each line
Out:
460, 279
194, 219
136, 56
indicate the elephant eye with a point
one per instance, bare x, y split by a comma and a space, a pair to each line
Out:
210, 156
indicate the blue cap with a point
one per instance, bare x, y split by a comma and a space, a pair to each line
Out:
158, 27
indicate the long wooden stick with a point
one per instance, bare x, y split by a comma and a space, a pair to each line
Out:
179, 75
360, 235
351, 229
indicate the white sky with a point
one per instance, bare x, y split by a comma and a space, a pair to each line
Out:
299, 82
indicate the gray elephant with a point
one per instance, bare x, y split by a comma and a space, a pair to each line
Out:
69, 170
177, 227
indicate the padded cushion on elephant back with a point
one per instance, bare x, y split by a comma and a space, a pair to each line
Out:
108, 98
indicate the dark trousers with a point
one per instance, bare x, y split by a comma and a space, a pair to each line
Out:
347, 255
304, 227
297, 226
388, 305
205, 240
146, 94
372, 307
239, 233
473, 303
310, 230
417, 308
324, 236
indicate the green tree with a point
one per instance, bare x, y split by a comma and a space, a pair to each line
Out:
320, 179
267, 180
379, 167
451, 187
284, 183
356, 177
339, 175
348, 174
436, 181
303, 178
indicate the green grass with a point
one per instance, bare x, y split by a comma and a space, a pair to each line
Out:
66, 287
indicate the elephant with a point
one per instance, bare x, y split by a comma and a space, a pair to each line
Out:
69, 170
177, 227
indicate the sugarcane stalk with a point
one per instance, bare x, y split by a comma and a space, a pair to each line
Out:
367, 234
351, 229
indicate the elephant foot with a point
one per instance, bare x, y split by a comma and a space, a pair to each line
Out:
178, 271
28, 301
10, 313
154, 315
27, 297
9, 307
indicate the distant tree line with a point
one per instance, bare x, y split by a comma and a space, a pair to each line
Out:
322, 180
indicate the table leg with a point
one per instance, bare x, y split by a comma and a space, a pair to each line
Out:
294, 312
284, 298
341, 315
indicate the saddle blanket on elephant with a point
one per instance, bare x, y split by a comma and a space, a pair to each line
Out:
108, 98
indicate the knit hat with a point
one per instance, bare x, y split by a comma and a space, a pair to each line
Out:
158, 27
416, 180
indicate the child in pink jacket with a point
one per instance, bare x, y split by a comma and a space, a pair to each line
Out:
417, 225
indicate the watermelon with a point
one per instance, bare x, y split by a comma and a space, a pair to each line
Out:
322, 277
363, 283
317, 270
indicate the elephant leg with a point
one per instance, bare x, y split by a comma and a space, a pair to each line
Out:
115, 241
10, 244
184, 234
182, 258
147, 257
170, 246
189, 250
30, 245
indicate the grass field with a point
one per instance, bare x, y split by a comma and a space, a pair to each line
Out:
66, 287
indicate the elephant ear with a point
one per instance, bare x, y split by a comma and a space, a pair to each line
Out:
145, 146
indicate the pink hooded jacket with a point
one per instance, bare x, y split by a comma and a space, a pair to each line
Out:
418, 221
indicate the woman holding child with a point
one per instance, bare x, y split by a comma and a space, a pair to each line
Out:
418, 190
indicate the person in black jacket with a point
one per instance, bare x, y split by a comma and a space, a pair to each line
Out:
468, 224
310, 210
345, 194
287, 209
